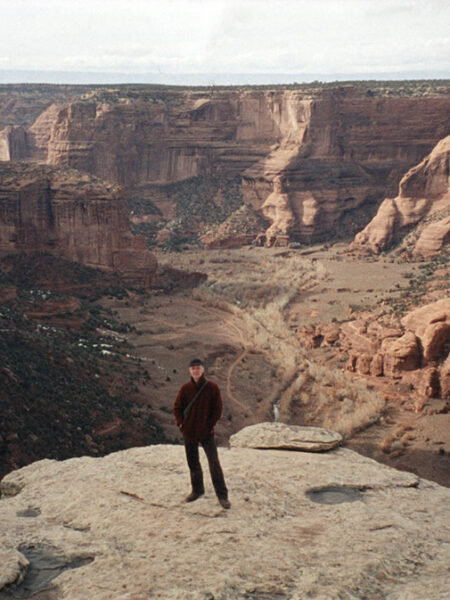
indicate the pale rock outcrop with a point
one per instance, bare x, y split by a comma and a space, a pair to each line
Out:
301, 524
424, 190
431, 324
401, 354
277, 210
13, 143
432, 239
287, 437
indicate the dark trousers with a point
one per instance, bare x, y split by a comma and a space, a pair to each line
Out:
193, 460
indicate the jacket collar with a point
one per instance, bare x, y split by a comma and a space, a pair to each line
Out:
200, 382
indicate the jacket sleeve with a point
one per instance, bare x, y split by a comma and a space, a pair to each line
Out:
178, 408
216, 408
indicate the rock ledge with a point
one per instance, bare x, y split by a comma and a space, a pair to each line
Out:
287, 437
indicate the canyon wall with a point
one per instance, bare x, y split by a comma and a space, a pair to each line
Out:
71, 215
335, 153
424, 192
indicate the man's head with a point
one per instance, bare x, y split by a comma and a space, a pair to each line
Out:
196, 369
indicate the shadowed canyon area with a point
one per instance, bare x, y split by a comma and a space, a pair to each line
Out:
294, 237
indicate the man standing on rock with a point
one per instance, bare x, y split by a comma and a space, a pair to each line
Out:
197, 409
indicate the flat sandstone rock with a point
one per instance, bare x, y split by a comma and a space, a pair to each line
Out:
301, 525
287, 437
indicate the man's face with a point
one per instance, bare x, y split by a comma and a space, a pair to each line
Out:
196, 371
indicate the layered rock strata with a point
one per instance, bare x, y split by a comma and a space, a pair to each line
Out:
338, 152
71, 215
423, 191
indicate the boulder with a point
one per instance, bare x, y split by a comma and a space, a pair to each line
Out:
431, 324
401, 354
424, 381
376, 366
363, 363
287, 437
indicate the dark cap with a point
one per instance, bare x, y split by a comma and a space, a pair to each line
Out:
195, 361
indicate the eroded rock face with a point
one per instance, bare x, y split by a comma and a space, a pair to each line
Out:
424, 190
338, 151
288, 437
401, 354
431, 324
416, 355
123, 530
71, 215
432, 239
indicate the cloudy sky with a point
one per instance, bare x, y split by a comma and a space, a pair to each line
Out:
226, 36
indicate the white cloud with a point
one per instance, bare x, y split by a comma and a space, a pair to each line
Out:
178, 36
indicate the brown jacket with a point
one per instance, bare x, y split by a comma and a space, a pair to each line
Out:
203, 414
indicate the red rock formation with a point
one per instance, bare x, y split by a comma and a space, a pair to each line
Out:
432, 239
424, 190
71, 215
400, 354
339, 151
445, 379
431, 324
418, 356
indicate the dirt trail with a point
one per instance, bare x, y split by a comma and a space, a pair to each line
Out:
239, 359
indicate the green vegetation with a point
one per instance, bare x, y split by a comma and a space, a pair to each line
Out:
432, 275
200, 203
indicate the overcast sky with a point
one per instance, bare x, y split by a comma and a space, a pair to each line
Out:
226, 36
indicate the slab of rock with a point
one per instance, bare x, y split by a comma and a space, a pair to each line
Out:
287, 437
301, 525
432, 239
400, 354
423, 190
431, 324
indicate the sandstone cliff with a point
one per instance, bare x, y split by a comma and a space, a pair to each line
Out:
424, 191
71, 215
327, 525
338, 151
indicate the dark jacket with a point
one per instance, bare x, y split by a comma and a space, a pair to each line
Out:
204, 413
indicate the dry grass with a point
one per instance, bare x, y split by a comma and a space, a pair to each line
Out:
258, 287
397, 440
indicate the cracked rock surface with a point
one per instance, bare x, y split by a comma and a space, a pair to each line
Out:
324, 526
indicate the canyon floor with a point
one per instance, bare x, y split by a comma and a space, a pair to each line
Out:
244, 321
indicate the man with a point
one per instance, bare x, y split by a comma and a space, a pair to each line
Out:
197, 409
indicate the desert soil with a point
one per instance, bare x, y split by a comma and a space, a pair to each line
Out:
173, 327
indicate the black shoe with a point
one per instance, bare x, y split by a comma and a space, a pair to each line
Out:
224, 502
193, 496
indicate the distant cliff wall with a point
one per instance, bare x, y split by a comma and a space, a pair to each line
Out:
75, 216
336, 153
424, 192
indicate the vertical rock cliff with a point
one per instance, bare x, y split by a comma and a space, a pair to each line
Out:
338, 151
72, 215
424, 191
